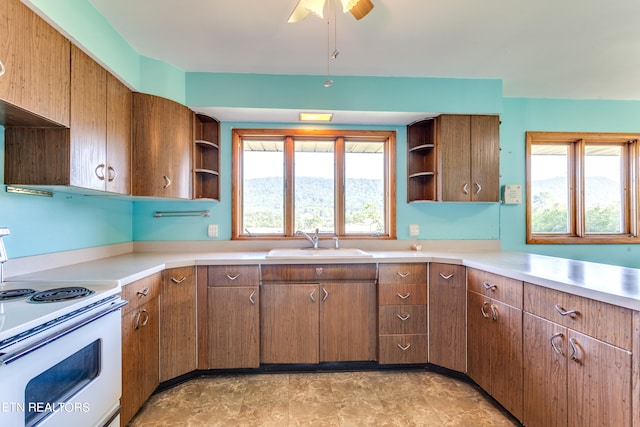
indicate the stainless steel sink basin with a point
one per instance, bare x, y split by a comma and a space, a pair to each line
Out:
309, 253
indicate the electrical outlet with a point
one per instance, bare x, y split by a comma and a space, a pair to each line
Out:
414, 230
212, 230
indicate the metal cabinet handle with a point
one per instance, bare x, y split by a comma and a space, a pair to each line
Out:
111, 174
403, 318
99, 171
167, 180
403, 275
143, 293
478, 188
326, 294
483, 311
404, 296
405, 347
489, 286
2, 69
494, 312
144, 322
465, 189
251, 300
178, 281
574, 350
233, 277
553, 343
312, 296
446, 276
563, 312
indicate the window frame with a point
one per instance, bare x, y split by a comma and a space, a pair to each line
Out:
576, 142
340, 136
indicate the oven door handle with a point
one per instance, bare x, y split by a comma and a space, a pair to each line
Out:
8, 358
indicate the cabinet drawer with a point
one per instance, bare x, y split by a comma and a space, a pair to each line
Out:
503, 289
314, 273
403, 319
390, 274
402, 294
597, 319
233, 275
402, 349
141, 291
183, 276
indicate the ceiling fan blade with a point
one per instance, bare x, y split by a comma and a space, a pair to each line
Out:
361, 9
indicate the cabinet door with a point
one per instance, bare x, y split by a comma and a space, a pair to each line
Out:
453, 143
88, 154
234, 327
289, 321
119, 103
485, 159
177, 323
447, 316
545, 347
506, 357
479, 339
139, 358
347, 322
599, 386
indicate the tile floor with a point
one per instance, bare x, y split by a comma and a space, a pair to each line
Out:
368, 398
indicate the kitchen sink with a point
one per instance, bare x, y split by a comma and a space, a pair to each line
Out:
309, 253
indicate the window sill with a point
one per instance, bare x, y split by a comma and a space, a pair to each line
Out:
589, 240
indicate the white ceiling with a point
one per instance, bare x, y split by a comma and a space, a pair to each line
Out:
577, 49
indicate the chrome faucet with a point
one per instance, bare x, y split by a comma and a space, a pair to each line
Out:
4, 231
313, 240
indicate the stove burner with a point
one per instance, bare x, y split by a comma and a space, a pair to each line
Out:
60, 294
9, 294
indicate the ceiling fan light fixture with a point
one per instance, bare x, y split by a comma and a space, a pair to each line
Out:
359, 8
302, 9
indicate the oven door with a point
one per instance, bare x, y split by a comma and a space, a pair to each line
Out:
72, 378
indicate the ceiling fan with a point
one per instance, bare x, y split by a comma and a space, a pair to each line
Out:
358, 8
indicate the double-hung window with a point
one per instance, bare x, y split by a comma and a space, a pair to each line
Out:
339, 182
582, 187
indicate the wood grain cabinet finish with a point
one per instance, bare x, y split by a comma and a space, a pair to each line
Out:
178, 336
572, 377
34, 90
162, 147
402, 313
206, 158
140, 348
228, 317
494, 338
447, 316
94, 153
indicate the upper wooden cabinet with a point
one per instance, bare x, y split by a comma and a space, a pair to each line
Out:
454, 158
206, 158
94, 153
34, 90
162, 144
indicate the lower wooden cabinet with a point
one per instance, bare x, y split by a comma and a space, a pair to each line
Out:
177, 322
140, 350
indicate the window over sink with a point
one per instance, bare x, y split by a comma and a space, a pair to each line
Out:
340, 182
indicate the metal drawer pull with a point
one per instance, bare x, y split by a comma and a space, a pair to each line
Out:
326, 294
465, 189
251, 297
403, 318
563, 312
553, 344
404, 348
178, 281
143, 293
488, 286
111, 174
100, 168
483, 311
446, 276
312, 296
403, 275
145, 321
233, 277
574, 350
404, 296
167, 180
2, 68
494, 312
478, 188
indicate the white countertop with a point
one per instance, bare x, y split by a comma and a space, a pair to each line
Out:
607, 283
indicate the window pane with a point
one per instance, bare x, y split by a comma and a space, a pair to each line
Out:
263, 187
550, 189
314, 188
364, 187
603, 189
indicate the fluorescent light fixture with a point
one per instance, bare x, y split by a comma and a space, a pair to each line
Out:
315, 117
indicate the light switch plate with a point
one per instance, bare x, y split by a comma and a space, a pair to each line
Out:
212, 230
414, 230
512, 194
